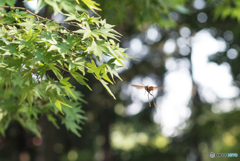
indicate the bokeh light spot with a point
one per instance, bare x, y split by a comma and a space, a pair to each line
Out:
125, 142
202, 17
221, 44
24, 156
134, 108
59, 17
161, 142
224, 105
185, 32
170, 64
184, 51
37, 141
32, 5
181, 42
229, 139
199, 4
232, 53
119, 109
153, 34
72, 155
99, 156
228, 35
169, 46
136, 45
142, 138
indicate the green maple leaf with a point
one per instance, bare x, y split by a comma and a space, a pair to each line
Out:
53, 86
68, 91
48, 37
65, 82
71, 40
2, 2
100, 71
8, 18
80, 64
30, 125
28, 23
111, 67
107, 31
75, 113
51, 26
79, 78
55, 6
95, 49
21, 14
58, 104
70, 17
55, 70
71, 7
28, 92
40, 55
11, 49
53, 120
10, 2
40, 5
87, 32
2, 32
91, 5
92, 68
62, 48
72, 126
13, 30
107, 88
28, 40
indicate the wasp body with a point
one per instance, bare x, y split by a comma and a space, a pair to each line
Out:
148, 89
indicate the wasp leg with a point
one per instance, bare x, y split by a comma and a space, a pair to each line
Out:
149, 101
154, 103
150, 93
153, 99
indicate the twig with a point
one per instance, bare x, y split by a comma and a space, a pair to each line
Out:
42, 18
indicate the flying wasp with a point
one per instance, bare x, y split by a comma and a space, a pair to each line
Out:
148, 89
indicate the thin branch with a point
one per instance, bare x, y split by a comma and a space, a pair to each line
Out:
42, 18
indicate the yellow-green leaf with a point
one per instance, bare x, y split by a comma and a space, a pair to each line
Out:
58, 105
91, 5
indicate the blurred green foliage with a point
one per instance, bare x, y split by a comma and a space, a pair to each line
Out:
32, 45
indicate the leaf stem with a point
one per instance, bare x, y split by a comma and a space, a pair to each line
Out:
62, 68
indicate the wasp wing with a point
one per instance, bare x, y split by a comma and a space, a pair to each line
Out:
159, 87
138, 87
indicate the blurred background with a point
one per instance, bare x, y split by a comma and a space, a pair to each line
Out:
192, 51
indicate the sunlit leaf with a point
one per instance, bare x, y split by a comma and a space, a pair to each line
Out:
92, 5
